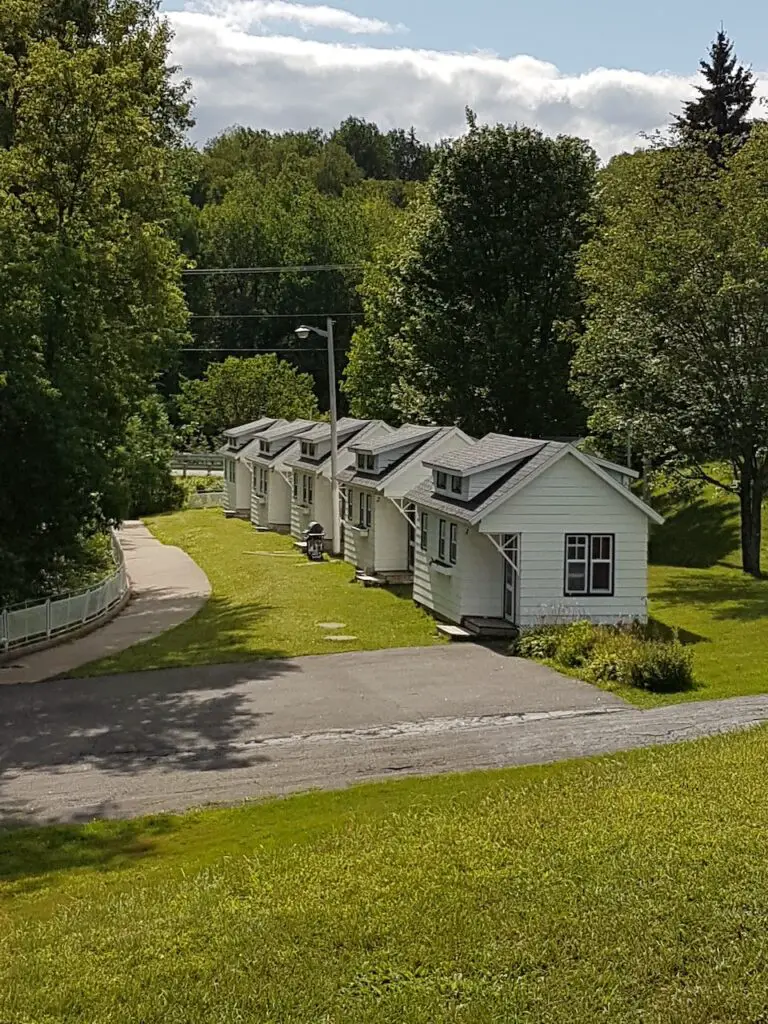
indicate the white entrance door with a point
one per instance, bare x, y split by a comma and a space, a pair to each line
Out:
411, 510
511, 546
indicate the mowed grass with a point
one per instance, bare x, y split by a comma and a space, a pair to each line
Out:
697, 588
623, 889
268, 601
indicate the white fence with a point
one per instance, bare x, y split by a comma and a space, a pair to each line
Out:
24, 625
206, 499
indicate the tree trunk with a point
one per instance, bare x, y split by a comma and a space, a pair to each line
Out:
751, 498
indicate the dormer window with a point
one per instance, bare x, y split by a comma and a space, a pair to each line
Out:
441, 481
264, 447
456, 487
366, 463
232, 443
308, 450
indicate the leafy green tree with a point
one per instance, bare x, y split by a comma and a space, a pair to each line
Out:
717, 119
467, 320
144, 459
412, 160
675, 349
91, 304
368, 146
238, 391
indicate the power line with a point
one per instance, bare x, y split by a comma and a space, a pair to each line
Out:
320, 350
304, 269
267, 316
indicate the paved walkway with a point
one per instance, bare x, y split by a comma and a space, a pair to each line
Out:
168, 588
151, 741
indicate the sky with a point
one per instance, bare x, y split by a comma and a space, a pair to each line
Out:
607, 72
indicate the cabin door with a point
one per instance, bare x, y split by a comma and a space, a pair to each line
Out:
511, 546
411, 511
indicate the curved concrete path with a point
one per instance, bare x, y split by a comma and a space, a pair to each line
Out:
168, 588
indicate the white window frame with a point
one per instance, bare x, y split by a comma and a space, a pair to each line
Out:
587, 558
295, 486
350, 504
361, 509
368, 510
366, 463
453, 543
441, 537
264, 447
424, 531
441, 480
310, 488
457, 485
308, 449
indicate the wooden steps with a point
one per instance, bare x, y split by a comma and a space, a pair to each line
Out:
453, 632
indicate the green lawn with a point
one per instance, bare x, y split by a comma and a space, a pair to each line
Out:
696, 586
268, 601
617, 890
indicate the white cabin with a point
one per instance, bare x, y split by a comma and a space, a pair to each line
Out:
311, 470
524, 531
379, 523
237, 475
271, 479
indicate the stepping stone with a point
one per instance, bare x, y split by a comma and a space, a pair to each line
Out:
339, 638
331, 625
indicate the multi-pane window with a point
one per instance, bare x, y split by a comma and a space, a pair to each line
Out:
308, 449
424, 534
350, 504
441, 531
452, 544
310, 488
295, 486
441, 481
367, 463
306, 488
589, 564
368, 510
455, 485
361, 507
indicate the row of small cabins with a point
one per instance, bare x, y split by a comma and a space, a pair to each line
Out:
495, 533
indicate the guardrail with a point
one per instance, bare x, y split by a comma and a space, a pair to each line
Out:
31, 624
191, 461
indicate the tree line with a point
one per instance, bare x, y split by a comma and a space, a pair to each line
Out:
501, 281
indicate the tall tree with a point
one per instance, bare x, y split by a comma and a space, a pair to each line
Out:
367, 145
676, 347
470, 312
717, 119
91, 303
242, 390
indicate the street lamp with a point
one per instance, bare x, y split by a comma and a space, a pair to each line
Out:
303, 332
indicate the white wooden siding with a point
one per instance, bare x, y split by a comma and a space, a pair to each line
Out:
478, 482
279, 503
241, 488
391, 537
568, 498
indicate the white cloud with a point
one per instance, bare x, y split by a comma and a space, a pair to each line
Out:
258, 14
280, 81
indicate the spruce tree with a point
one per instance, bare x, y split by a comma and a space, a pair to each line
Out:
717, 119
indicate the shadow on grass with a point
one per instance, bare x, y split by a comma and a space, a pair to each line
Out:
698, 536
29, 851
724, 597
658, 630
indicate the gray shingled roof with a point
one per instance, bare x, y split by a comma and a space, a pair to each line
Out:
352, 476
250, 428
286, 428
322, 431
489, 450
409, 433
471, 511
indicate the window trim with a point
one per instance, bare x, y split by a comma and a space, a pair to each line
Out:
295, 486
368, 510
441, 534
454, 489
453, 543
440, 475
589, 590
424, 531
350, 504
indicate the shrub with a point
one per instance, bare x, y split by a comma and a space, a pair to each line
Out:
612, 654
576, 642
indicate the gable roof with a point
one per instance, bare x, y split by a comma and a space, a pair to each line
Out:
490, 452
279, 431
378, 481
319, 465
409, 433
322, 431
518, 477
249, 428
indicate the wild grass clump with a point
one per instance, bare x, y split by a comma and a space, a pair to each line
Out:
622, 655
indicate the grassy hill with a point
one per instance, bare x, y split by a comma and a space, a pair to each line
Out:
614, 890
697, 587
